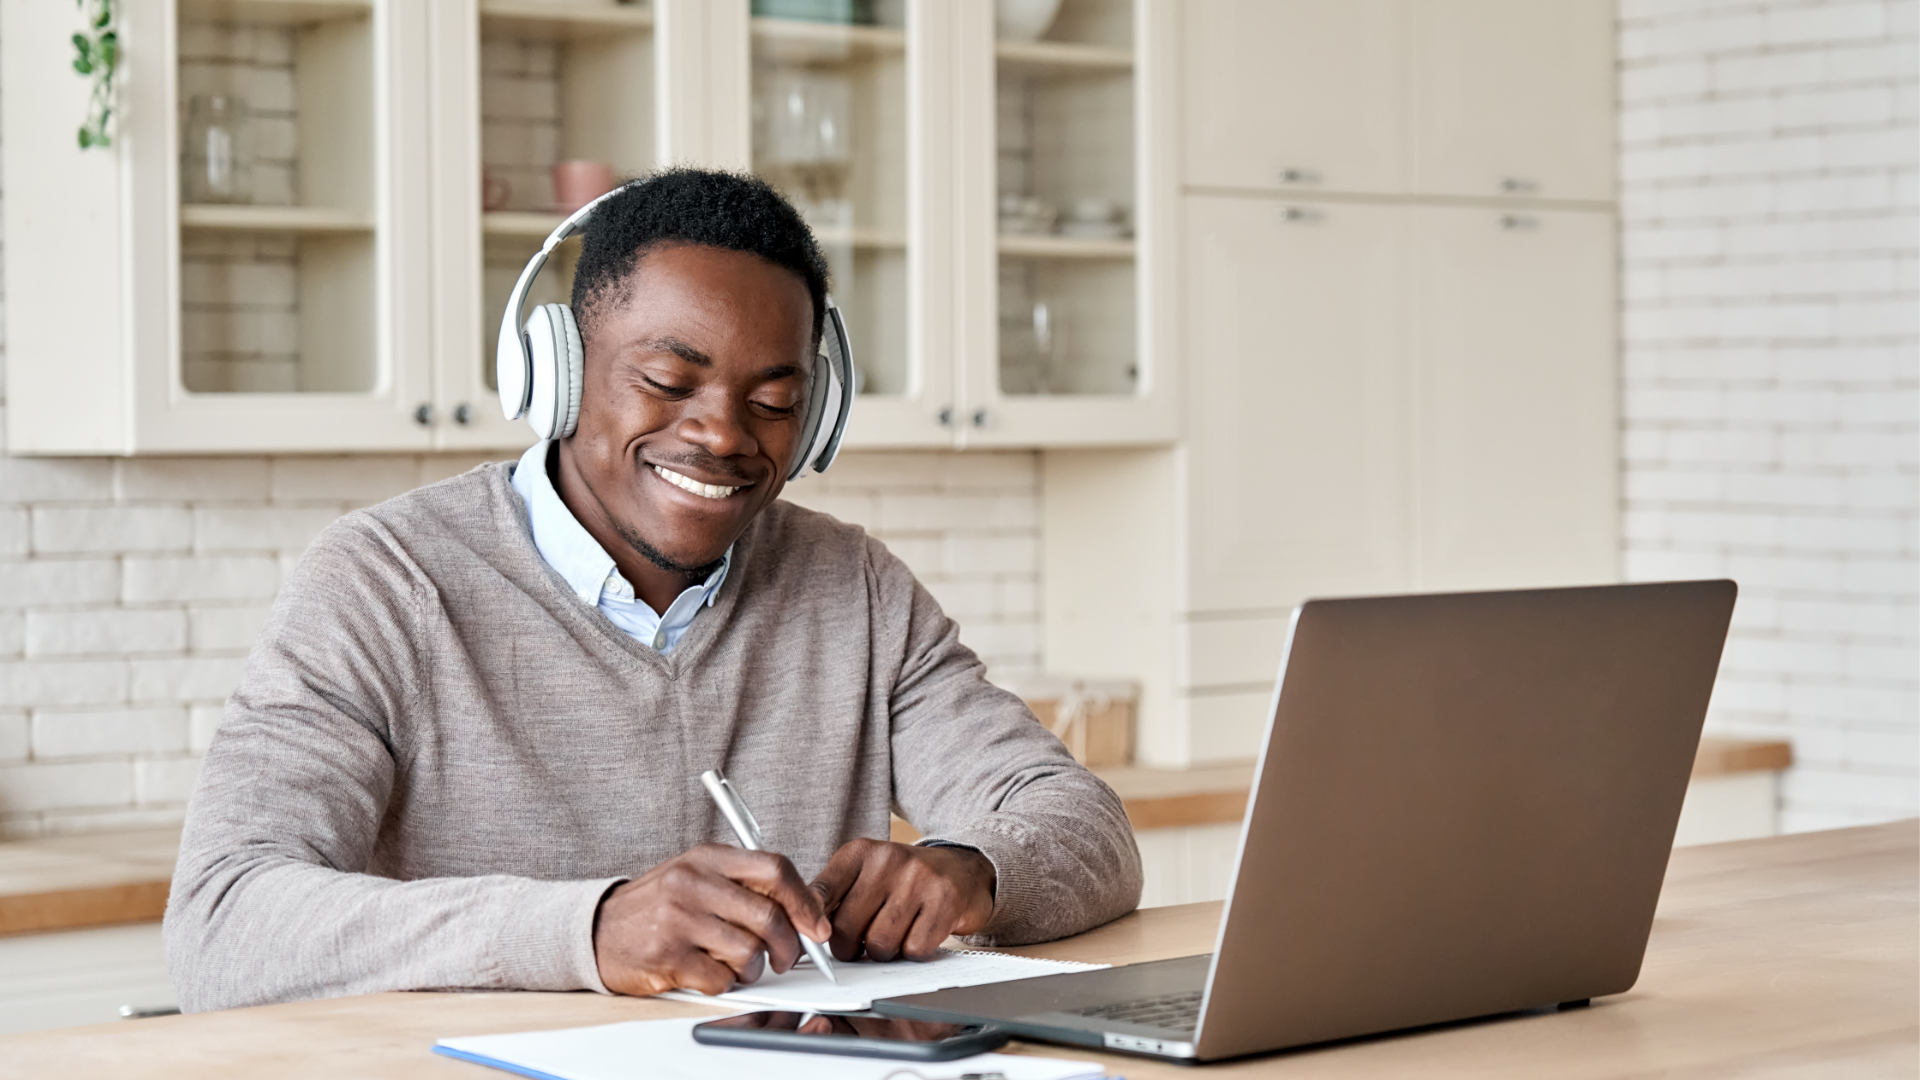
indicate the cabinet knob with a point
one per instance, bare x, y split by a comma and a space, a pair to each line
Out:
1299, 176
979, 418
463, 414
1519, 222
1518, 185
946, 416
423, 414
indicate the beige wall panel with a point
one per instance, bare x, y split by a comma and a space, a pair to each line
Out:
1295, 414
1308, 86
1232, 652
1516, 466
1228, 727
1513, 90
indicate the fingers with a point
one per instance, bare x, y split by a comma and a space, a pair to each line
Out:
841, 872
773, 877
930, 928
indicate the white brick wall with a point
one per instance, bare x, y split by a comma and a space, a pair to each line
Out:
1768, 207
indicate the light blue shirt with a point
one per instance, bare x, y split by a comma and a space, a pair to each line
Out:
589, 571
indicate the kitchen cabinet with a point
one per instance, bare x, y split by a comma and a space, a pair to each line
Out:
1296, 95
1512, 97
1298, 442
141, 320
1516, 455
400, 158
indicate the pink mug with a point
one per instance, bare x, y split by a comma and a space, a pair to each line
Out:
577, 183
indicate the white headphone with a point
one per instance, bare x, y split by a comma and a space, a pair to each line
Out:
539, 370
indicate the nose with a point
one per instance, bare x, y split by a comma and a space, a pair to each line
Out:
715, 422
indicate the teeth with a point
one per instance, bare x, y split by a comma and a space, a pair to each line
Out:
688, 483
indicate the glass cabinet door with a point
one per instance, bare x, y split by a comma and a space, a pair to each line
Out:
297, 203
1067, 366
277, 232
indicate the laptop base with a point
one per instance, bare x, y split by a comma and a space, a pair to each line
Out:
1049, 1008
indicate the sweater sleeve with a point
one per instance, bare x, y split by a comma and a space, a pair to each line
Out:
971, 766
275, 897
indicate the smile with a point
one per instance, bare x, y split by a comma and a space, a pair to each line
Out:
688, 483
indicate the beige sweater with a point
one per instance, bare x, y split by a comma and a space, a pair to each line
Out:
439, 759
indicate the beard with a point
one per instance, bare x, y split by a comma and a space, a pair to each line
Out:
692, 574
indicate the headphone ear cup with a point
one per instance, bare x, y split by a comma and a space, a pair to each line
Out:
576, 366
810, 425
553, 405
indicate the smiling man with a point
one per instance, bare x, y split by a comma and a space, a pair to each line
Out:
465, 751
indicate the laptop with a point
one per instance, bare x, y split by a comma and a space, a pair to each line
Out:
1463, 807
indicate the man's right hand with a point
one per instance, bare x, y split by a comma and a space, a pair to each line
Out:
704, 919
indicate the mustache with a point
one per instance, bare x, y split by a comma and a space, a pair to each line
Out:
701, 462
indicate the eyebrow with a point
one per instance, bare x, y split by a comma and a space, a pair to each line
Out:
680, 349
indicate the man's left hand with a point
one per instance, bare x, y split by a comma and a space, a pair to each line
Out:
892, 900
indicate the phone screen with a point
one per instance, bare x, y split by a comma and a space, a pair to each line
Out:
844, 1025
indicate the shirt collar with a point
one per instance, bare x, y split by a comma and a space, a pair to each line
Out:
571, 550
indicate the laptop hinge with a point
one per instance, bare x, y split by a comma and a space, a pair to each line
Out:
1140, 1044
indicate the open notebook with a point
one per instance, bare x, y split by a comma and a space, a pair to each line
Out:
863, 982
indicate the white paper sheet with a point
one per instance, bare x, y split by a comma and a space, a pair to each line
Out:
864, 982
665, 1050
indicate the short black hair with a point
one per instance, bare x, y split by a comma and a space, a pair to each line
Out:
683, 205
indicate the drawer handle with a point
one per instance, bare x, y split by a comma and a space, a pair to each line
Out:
1299, 176
1302, 215
1519, 222
1518, 185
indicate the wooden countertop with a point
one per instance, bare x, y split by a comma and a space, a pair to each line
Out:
1791, 956
91, 879
104, 878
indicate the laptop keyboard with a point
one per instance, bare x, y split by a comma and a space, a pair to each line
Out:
1174, 1012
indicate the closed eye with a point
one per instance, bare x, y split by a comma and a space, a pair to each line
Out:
673, 392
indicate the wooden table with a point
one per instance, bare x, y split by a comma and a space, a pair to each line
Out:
1791, 956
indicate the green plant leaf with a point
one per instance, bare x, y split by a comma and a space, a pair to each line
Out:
86, 138
81, 65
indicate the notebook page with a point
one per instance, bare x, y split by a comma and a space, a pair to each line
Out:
665, 1050
863, 982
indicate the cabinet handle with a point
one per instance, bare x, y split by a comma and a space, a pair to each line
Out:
423, 415
1302, 215
1519, 222
946, 416
463, 414
980, 418
1299, 176
1518, 185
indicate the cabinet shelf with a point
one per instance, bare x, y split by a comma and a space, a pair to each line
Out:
559, 21
1060, 56
289, 12
1064, 247
797, 39
519, 223
294, 219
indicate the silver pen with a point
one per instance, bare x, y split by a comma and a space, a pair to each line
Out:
734, 809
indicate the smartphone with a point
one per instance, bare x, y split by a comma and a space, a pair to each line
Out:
854, 1034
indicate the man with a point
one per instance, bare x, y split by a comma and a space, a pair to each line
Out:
465, 751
